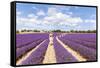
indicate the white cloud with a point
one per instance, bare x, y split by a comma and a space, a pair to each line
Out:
90, 21
51, 11
34, 8
18, 13
31, 15
75, 20
27, 20
21, 20
41, 13
27, 23
62, 15
55, 17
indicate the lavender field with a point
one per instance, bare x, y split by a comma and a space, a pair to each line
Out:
48, 34
33, 48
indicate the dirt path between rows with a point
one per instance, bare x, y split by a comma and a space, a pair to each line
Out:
50, 53
71, 51
28, 54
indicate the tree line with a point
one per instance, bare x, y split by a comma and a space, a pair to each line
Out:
71, 31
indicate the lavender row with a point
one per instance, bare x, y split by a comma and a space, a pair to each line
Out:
21, 51
38, 55
62, 55
88, 53
90, 37
88, 40
84, 43
24, 39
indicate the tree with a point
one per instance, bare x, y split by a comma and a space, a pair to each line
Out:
17, 31
72, 31
36, 31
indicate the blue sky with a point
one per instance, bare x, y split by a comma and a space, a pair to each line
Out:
53, 17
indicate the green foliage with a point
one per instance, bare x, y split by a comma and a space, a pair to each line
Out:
36, 31
71, 31
17, 31
56, 31
83, 31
